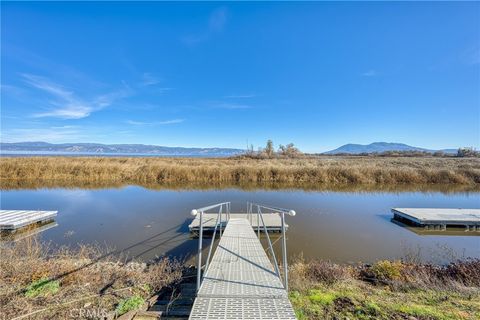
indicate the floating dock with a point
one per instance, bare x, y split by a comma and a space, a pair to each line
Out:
273, 221
240, 282
439, 219
11, 220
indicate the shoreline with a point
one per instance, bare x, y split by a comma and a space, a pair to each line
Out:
36, 276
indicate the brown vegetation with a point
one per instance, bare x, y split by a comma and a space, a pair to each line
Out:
64, 283
309, 172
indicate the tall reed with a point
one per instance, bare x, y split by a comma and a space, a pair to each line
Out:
320, 171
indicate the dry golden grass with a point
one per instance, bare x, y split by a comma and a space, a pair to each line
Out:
316, 172
88, 279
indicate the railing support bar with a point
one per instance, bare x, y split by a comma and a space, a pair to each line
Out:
213, 239
284, 253
199, 254
277, 270
258, 222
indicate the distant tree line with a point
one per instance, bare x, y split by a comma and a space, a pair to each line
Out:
268, 152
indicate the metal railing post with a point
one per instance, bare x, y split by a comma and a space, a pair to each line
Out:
284, 253
258, 222
199, 264
250, 211
220, 221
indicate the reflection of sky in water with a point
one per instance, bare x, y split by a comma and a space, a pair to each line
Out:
329, 225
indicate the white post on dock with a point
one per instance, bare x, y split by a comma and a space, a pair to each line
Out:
258, 222
199, 253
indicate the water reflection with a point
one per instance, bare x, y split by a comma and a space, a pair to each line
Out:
31, 230
425, 231
340, 226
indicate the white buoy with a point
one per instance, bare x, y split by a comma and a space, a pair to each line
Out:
194, 212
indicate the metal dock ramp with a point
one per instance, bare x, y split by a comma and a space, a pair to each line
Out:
240, 282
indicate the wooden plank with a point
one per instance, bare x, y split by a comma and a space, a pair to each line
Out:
240, 282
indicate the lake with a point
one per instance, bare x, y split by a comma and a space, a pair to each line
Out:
338, 226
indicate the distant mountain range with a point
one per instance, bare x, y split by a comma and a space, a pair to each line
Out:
27, 148
118, 149
380, 147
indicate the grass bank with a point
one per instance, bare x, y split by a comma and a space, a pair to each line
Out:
306, 172
39, 282
386, 290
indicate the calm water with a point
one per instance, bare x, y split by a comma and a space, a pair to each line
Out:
343, 227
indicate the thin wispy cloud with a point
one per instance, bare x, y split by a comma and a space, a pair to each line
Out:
149, 80
370, 73
154, 123
52, 134
105, 100
231, 106
65, 104
240, 96
216, 23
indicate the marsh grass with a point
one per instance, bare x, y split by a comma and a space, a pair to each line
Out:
38, 277
306, 172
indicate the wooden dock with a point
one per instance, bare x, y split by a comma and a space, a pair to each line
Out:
240, 282
273, 221
439, 219
15, 219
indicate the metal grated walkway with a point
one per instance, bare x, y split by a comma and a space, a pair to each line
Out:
240, 282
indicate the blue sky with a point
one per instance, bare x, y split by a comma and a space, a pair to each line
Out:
218, 74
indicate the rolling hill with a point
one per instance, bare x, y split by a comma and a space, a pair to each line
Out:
116, 149
379, 147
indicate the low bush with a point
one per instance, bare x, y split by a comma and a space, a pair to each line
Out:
132, 303
42, 287
387, 270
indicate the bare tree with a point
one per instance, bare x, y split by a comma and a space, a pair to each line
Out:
269, 150
467, 152
289, 150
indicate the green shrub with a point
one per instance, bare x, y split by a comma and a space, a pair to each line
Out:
132, 303
42, 287
387, 270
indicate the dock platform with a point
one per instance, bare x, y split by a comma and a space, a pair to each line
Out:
240, 282
439, 218
11, 220
273, 221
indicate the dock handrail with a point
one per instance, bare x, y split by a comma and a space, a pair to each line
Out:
200, 212
282, 212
